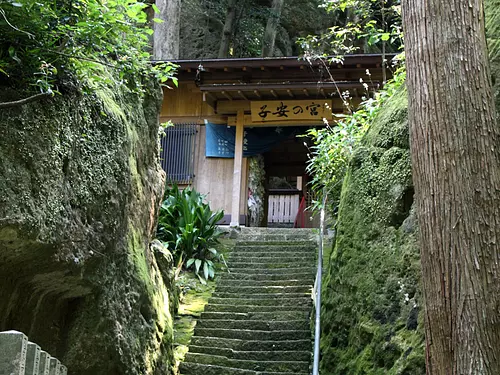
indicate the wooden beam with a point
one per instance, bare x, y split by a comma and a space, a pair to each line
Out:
194, 119
274, 94
242, 94
290, 93
322, 91
257, 93
238, 161
227, 95
306, 93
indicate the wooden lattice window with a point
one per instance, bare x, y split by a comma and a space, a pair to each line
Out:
177, 153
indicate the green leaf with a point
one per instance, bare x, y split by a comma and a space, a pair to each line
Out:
197, 264
155, 8
385, 36
17, 4
190, 262
158, 20
205, 270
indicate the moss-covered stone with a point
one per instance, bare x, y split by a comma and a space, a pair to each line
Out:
80, 184
372, 306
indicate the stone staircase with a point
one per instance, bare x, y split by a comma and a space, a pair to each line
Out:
258, 320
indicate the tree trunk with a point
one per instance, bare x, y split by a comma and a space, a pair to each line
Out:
166, 36
456, 170
227, 31
272, 28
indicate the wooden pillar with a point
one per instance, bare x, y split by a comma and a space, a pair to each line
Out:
238, 161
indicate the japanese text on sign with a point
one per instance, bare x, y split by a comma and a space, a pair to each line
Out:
283, 110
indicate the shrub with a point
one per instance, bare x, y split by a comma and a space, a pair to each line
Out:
189, 228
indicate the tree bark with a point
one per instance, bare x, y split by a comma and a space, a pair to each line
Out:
456, 170
166, 36
272, 28
228, 29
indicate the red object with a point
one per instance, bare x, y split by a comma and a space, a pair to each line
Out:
300, 219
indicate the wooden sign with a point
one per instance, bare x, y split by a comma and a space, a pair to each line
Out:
285, 110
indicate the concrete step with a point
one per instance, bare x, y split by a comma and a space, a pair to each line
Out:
258, 325
296, 355
253, 344
189, 368
282, 366
247, 334
213, 307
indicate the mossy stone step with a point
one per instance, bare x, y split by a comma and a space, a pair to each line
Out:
284, 247
223, 282
296, 355
271, 315
247, 334
213, 307
272, 257
274, 271
276, 301
259, 325
280, 366
304, 277
273, 238
271, 266
277, 294
253, 345
189, 368
261, 289
271, 244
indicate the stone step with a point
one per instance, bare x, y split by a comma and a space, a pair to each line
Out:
304, 231
212, 307
305, 277
274, 271
246, 334
282, 264
276, 301
189, 368
283, 366
223, 282
271, 315
276, 295
272, 257
296, 355
284, 247
252, 345
261, 289
259, 325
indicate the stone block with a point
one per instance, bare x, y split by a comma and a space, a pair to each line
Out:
32, 359
43, 368
64, 370
13, 347
54, 366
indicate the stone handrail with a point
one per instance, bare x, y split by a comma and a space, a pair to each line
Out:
18, 356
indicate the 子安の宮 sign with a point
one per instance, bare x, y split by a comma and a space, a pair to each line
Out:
283, 110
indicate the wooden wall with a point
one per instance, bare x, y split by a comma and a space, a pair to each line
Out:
213, 176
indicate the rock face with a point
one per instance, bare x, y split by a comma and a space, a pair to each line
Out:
80, 185
372, 304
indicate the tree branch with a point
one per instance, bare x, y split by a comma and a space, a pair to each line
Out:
18, 103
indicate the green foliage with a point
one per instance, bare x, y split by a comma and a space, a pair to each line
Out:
333, 145
358, 25
48, 44
189, 227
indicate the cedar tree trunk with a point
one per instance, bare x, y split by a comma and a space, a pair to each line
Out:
228, 30
166, 36
455, 147
272, 28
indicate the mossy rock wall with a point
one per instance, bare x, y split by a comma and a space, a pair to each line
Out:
80, 185
372, 304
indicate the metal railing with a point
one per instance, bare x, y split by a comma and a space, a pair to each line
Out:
319, 274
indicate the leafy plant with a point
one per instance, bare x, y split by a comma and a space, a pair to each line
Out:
189, 227
333, 145
46, 44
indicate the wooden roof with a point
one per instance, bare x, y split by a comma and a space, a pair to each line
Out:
226, 81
